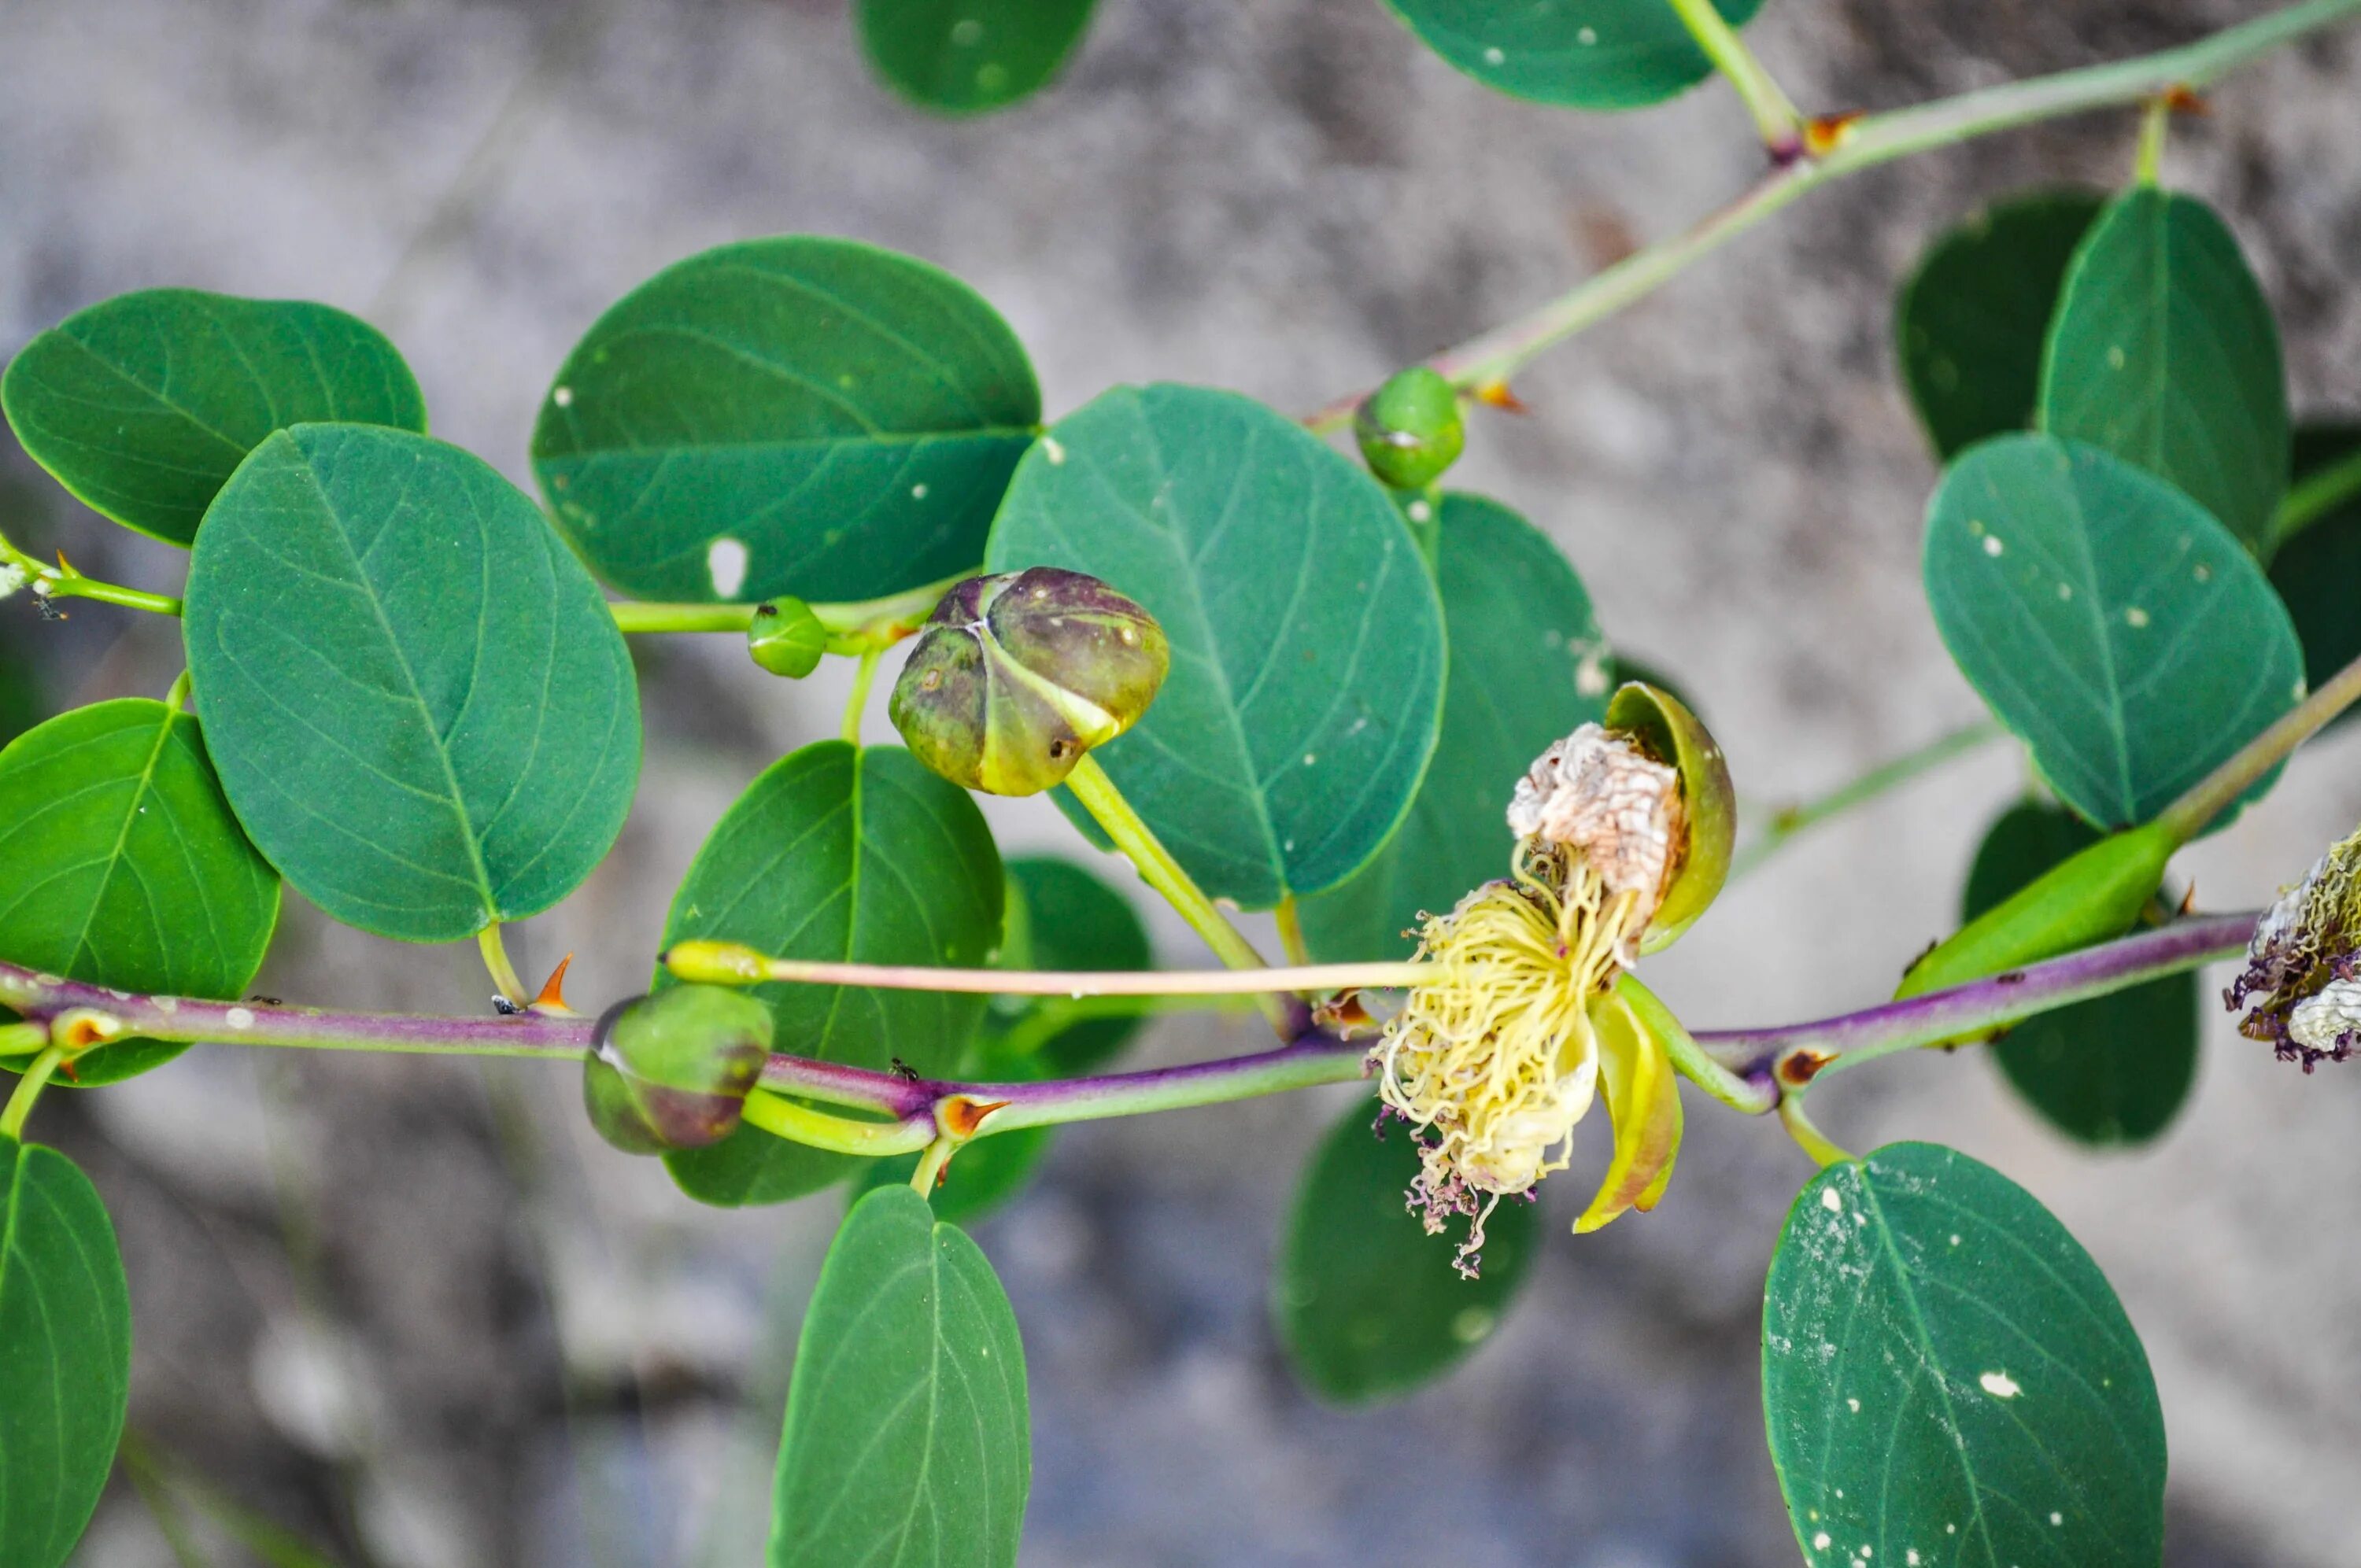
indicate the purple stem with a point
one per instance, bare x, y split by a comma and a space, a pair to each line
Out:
1982, 1004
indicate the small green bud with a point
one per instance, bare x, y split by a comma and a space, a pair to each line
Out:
672, 1071
1017, 676
1409, 429
785, 638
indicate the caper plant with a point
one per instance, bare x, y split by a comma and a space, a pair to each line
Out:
1258, 675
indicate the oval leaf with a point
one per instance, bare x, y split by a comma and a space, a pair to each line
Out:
145, 404
1307, 641
799, 415
907, 1438
1947, 1376
65, 1353
1071, 920
418, 701
2317, 570
845, 855
2110, 624
1584, 54
1366, 1303
966, 57
2117, 1069
1527, 666
1973, 320
2163, 352
125, 867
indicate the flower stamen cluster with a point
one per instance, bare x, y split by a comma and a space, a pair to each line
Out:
1494, 1060
2301, 985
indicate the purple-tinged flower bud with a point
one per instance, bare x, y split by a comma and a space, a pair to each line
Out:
672, 1070
1015, 677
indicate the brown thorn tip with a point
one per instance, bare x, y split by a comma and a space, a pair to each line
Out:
1823, 134
1800, 1066
1497, 395
2183, 99
962, 1118
553, 991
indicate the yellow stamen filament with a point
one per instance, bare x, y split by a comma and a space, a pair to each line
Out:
1493, 1059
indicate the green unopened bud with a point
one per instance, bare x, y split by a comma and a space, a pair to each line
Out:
672, 1071
1409, 429
1017, 676
785, 638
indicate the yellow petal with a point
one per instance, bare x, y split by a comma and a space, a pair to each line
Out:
1643, 1102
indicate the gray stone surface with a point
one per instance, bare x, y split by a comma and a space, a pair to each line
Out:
419, 1315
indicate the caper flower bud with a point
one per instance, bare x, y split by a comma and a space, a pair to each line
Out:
1409, 429
672, 1071
785, 638
1015, 676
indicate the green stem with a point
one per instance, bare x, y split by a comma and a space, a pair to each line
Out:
1809, 1139
63, 582
489, 942
854, 626
1289, 915
2155, 126
1492, 358
930, 1167
23, 1039
1789, 821
1161, 871
799, 1124
2317, 494
864, 676
1776, 119
727, 963
2213, 794
28, 1089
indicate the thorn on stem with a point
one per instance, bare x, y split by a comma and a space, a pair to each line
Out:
1496, 394
2182, 99
1823, 134
964, 1117
553, 989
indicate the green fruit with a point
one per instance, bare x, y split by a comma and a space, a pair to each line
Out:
1409, 429
785, 638
672, 1071
1015, 677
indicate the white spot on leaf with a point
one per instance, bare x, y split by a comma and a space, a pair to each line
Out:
725, 562
2000, 1384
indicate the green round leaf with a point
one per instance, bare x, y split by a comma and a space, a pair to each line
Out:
1527, 666
1307, 641
1971, 322
2318, 572
1583, 54
418, 701
800, 415
2164, 353
967, 57
125, 867
2114, 1069
145, 404
2109, 622
65, 1353
1072, 921
1367, 1304
845, 855
907, 1438
1947, 1376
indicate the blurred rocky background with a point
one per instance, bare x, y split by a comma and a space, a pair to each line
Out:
418, 1318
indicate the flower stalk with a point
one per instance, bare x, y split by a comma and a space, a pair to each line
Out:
1488, 361
1775, 116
